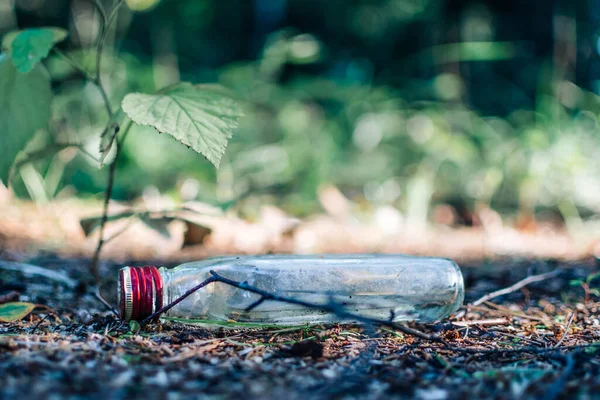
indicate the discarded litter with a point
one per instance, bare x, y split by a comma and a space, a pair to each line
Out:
384, 287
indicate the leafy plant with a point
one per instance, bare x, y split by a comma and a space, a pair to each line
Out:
586, 285
202, 117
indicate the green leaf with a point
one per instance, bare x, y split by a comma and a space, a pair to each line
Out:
58, 33
202, 117
30, 46
592, 277
24, 109
11, 312
134, 327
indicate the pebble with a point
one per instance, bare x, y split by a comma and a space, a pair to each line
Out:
329, 373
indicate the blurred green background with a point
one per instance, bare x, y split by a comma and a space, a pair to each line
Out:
408, 103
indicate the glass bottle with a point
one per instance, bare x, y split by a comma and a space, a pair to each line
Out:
376, 286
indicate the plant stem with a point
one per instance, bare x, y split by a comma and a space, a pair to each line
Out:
107, 196
105, 25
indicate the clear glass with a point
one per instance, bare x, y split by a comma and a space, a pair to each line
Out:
414, 288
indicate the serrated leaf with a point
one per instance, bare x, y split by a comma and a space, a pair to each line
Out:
14, 311
24, 109
30, 46
201, 117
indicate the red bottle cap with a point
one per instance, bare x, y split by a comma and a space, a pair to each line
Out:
140, 291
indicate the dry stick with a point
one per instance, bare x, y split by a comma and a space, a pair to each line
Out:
178, 300
40, 322
510, 289
330, 307
103, 301
564, 335
517, 286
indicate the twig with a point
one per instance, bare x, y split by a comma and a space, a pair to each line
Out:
178, 300
329, 307
104, 302
500, 310
564, 335
40, 322
496, 321
517, 286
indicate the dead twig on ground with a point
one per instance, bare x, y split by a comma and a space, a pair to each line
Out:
496, 321
40, 322
564, 335
102, 300
521, 284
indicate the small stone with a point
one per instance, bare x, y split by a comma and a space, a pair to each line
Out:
329, 373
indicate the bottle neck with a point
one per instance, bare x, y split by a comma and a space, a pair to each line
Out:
167, 295
178, 281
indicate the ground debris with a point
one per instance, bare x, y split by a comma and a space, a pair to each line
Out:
535, 342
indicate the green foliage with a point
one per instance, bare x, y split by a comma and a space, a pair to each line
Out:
134, 327
30, 46
201, 117
14, 311
24, 109
405, 123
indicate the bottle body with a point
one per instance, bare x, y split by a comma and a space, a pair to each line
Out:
374, 286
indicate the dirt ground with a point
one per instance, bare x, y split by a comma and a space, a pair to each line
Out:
535, 342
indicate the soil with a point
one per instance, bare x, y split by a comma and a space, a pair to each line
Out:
540, 341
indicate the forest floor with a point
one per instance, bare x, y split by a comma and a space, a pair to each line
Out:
539, 339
